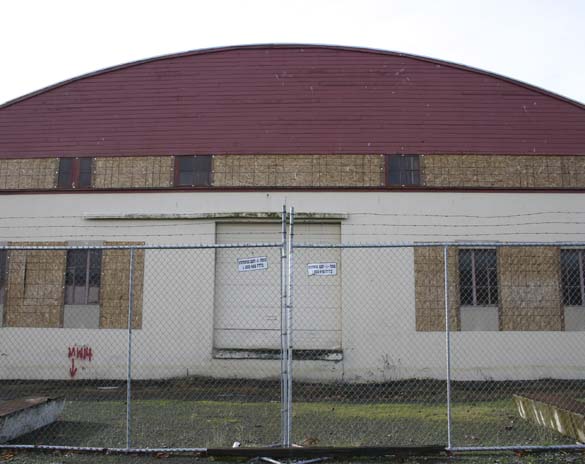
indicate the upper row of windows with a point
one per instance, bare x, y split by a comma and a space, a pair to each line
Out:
195, 171
190, 171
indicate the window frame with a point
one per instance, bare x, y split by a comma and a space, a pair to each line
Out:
474, 277
581, 266
72, 180
403, 172
88, 272
194, 184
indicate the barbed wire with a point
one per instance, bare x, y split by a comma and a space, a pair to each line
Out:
321, 235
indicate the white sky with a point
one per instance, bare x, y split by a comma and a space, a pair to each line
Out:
541, 42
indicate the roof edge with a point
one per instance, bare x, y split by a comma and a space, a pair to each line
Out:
293, 45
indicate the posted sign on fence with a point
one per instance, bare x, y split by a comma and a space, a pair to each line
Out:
322, 269
256, 263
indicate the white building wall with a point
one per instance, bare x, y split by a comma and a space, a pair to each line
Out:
379, 340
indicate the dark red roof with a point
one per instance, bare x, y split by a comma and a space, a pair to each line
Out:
290, 99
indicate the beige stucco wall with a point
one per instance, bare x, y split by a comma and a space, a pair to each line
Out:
378, 320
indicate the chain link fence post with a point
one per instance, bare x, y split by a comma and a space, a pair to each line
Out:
129, 371
283, 339
289, 330
447, 342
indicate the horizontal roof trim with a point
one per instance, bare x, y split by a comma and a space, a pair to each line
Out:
240, 216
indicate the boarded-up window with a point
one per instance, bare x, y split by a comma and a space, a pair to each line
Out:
516, 288
39, 283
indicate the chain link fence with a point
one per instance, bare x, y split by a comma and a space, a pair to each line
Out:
363, 376
298, 340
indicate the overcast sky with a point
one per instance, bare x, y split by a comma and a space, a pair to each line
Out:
541, 42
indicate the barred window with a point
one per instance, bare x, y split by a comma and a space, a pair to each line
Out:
478, 277
573, 280
83, 277
403, 170
74, 173
3, 270
193, 171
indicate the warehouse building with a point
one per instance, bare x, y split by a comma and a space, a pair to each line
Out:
367, 145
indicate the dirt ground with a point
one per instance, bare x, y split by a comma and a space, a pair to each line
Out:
493, 458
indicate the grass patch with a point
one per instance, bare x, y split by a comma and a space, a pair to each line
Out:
181, 423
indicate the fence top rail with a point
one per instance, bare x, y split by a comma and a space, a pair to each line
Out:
143, 247
473, 244
206, 246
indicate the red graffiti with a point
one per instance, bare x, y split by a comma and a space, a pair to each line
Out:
80, 352
72, 369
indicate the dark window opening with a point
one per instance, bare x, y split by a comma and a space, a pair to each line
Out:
478, 277
74, 173
3, 270
83, 277
403, 170
573, 280
193, 171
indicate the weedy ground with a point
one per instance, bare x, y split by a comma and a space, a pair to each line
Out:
187, 415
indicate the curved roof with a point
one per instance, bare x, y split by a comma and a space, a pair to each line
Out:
290, 99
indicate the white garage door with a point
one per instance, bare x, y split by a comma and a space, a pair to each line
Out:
247, 300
